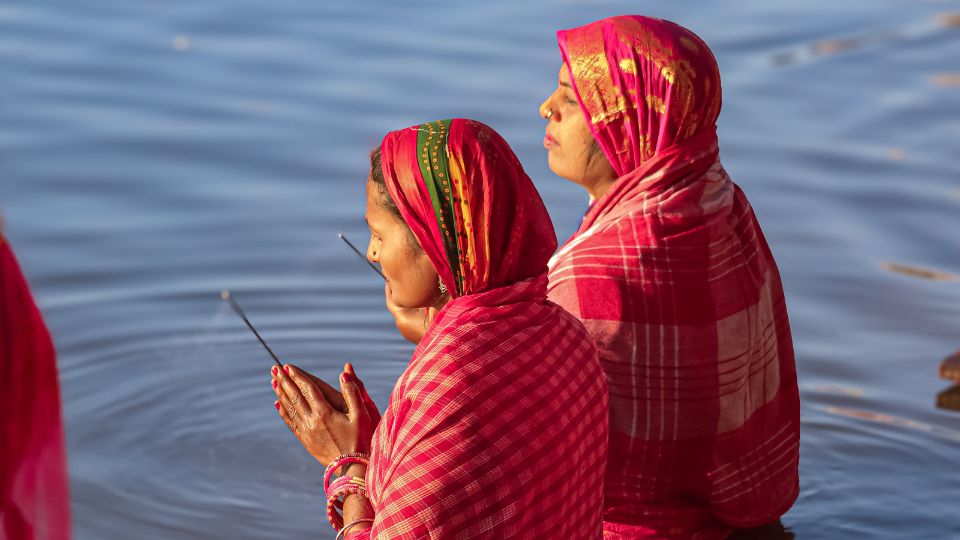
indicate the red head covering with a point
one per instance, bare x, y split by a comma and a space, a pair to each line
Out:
671, 275
448, 178
645, 84
498, 425
34, 499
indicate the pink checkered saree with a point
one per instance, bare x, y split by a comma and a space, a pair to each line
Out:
498, 426
671, 275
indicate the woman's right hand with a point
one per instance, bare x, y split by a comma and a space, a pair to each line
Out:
412, 323
336, 399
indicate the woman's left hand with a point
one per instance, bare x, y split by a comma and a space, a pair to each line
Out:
323, 430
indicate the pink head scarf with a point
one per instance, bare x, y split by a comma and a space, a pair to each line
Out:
645, 84
449, 179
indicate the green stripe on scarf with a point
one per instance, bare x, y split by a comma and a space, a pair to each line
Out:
435, 169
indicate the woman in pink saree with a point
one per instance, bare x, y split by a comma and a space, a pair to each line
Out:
498, 426
671, 275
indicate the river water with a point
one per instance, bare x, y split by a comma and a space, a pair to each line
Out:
155, 152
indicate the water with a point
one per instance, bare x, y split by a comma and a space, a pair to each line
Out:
154, 153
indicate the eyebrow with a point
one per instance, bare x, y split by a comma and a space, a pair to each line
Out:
568, 85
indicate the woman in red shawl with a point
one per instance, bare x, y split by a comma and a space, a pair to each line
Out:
498, 426
673, 279
34, 500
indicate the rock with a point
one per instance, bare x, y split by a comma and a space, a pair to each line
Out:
950, 367
949, 398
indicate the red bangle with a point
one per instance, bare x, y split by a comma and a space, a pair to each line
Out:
346, 459
341, 487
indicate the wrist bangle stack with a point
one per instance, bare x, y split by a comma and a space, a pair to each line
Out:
346, 459
341, 487
343, 531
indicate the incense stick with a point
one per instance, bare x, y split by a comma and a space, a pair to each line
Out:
225, 294
361, 255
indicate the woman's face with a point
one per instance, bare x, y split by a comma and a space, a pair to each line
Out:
571, 151
412, 282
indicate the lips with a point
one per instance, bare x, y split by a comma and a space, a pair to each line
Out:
549, 141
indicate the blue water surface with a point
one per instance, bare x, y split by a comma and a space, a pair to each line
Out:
155, 152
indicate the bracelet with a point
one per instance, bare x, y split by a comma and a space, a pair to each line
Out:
343, 531
343, 486
346, 459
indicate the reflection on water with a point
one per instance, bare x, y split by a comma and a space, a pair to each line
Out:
923, 273
879, 37
774, 531
155, 153
897, 421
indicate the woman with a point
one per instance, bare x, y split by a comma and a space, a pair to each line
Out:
672, 277
34, 499
498, 426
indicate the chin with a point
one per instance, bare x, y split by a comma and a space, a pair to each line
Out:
555, 167
404, 302
562, 173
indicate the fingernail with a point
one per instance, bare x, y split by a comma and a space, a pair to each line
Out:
274, 382
286, 369
277, 405
274, 370
346, 377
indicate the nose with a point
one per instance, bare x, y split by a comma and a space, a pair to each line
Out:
372, 254
547, 111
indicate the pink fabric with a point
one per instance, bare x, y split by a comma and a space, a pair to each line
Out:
673, 279
644, 84
504, 230
34, 499
498, 426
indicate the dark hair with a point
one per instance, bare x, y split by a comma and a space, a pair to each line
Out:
376, 174
593, 152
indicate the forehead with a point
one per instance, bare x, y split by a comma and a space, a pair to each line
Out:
373, 198
372, 194
376, 214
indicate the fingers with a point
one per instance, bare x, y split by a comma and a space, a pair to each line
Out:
390, 305
351, 393
348, 369
331, 394
314, 399
289, 389
288, 413
285, 416
372, 412
429, 317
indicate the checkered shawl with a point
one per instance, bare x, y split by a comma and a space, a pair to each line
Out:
672, 277
498, 426
676, 285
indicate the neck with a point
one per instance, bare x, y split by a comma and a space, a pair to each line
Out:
440, 302
599, 188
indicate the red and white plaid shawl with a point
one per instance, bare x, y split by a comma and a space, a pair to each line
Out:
672, 277
498, 426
